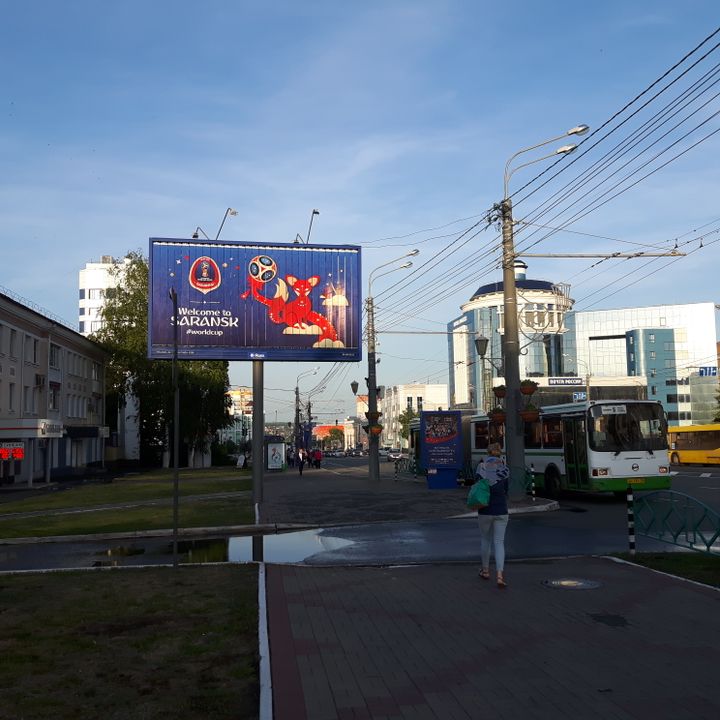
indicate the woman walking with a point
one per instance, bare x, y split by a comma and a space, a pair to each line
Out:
301, 458
493, 519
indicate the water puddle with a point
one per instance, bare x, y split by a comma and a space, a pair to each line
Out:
283, 548
287, 547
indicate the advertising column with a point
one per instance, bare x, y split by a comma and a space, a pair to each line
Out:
441, 447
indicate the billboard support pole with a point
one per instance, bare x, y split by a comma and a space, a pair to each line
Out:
176, 428
258, 455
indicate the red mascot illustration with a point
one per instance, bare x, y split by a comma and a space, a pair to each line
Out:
296, 313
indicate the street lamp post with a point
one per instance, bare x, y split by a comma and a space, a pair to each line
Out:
481, 345
587, 373
229, 211
514, 440
373, 427
298, 237
297, 404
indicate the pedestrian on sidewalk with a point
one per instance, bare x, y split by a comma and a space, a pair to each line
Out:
301, 458
493, 519
317, 457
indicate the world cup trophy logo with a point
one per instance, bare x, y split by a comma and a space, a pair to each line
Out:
205, 275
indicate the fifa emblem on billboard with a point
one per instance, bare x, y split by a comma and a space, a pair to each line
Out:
205, 275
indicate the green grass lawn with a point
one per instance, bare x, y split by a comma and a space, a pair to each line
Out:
701, 567
130, 643
149, 505
148, 486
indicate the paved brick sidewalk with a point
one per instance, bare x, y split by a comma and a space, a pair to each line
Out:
438, 642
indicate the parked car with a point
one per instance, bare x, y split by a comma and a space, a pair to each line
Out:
383, 452
394, 455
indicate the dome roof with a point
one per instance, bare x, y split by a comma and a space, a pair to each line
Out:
520, 284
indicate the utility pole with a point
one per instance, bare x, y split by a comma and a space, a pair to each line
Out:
309, 421
373, 427
514, 440
297, 417
587, 386
372, 414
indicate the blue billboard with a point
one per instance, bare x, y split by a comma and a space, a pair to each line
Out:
255, 301
441, 439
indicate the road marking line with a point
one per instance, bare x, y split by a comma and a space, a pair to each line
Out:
705, 474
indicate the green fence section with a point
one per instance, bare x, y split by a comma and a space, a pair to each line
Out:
678, 519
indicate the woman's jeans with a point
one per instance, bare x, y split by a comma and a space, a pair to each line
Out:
492, 531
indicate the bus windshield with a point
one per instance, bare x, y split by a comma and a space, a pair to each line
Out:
627, 426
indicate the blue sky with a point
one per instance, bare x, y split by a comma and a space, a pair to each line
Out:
121, 121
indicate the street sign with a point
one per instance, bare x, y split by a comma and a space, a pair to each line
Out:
566, 381
708, 371
577, 396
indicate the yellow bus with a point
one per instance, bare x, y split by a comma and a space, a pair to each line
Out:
694, 444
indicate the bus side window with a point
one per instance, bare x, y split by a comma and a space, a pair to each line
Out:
497, 433
551, 433
532, 434
481, 435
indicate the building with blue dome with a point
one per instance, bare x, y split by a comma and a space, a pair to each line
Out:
662, 352
542, 310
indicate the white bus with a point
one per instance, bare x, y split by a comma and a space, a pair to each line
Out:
596, 446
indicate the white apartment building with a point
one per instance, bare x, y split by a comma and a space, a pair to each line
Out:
399, 398
355, 436
52, 397
241, 410
94, 280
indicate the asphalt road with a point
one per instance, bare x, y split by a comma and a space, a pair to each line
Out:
583, 525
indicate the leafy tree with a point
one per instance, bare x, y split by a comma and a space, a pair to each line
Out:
404, 420
203, 384
336, 436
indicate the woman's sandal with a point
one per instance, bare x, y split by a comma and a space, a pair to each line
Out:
501, 584
485, 574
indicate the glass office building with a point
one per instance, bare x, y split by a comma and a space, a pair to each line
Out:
669, 345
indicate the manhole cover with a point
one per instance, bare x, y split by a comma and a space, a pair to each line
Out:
571, 584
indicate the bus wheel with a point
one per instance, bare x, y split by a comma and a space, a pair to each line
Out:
674, 459
552, 483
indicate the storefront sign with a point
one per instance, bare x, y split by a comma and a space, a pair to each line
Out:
12, 451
